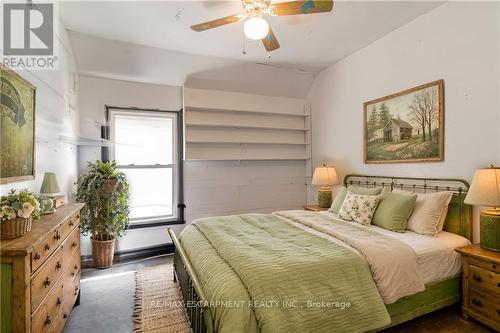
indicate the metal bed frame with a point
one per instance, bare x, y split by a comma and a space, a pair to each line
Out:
459, 221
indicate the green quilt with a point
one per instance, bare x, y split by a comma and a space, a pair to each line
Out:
264, 274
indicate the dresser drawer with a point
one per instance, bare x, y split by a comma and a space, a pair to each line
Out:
490, 266
46, 317
483, 279
71, 244
73, 265
41, 252
68, 226
44, 279
487, 305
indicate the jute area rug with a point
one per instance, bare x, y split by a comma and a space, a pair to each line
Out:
158, 302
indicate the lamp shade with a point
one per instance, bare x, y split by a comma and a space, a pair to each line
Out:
485, 188
49, 184
325, 176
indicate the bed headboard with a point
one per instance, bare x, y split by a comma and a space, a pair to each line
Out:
459, 218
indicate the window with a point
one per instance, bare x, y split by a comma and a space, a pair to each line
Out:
145, 149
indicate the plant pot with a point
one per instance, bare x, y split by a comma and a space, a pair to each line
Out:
14, 228
111, 185
103, 252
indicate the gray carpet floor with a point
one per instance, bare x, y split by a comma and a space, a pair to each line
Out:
106, 303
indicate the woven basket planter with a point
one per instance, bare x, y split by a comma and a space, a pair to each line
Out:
103, 253
111, 185
14, 228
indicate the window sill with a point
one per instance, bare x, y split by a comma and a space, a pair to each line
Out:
156, 223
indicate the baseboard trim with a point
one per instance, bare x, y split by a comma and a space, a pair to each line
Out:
134, 254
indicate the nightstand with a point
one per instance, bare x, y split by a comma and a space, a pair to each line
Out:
314, 208
481, 285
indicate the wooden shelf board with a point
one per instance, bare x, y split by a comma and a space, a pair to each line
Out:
284, 114
247, 159
247, 127
247, 143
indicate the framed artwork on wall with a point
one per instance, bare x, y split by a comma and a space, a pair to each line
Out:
17, 127
406, 127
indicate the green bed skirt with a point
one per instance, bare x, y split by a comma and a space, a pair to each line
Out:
435, 296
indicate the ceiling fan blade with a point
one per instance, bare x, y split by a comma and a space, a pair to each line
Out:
216, 23
303, 7
270, 42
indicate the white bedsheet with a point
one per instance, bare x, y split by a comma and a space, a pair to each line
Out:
436, 256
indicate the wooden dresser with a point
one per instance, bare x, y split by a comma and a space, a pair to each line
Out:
481, 285
40, 273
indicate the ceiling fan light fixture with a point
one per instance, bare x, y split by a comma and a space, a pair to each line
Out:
256, 28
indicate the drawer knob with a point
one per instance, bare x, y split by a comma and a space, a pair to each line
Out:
47, 247
48, 321
37, 256
65, 315
46, 282
74, 244
58, 301
57, 236
477, 278
71, 223
494, 266
76, 290
477, 302
58, 266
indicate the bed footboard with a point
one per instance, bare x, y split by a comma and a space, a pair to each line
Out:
194, 300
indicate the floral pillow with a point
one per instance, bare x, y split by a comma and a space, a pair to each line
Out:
359, 208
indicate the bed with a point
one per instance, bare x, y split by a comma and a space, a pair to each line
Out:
212, 263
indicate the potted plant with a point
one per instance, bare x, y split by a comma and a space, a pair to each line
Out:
104, 190
17, 212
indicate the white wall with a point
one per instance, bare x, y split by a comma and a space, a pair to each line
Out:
56, 114
94, 94
457, 42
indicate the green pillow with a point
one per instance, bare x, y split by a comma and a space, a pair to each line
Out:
394, 210
340, 197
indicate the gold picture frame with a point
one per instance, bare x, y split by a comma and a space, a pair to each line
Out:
405, 127
17, 127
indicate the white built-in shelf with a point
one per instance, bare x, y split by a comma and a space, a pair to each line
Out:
263, 113
80, 141
246, 127
224, 126
247, 143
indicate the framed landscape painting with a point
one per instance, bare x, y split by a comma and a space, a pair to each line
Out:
406, 127
17, 127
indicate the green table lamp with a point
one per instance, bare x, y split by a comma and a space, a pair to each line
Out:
325, 176
48, 190
49, 184
485, 191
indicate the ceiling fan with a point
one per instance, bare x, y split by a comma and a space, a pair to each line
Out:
256, 27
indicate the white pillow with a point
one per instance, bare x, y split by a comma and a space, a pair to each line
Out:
430, 212
359, 207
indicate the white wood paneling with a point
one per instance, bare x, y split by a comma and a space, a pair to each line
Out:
232, 187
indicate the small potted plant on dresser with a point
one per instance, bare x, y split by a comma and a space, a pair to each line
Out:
17, 210
104, 190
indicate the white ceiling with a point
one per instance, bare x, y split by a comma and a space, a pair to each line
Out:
308, 42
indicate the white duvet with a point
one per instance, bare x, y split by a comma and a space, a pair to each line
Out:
401, 263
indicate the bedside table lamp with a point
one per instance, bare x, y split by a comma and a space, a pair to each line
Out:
325, 176
485, 191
